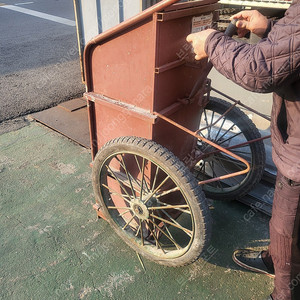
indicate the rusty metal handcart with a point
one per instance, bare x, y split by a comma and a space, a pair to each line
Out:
158, 138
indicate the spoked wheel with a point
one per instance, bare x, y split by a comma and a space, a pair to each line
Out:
233, 129
151, 200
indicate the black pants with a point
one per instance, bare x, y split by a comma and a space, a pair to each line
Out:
285, 241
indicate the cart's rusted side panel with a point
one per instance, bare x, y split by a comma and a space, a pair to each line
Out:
123, 67
123, 70
146, 66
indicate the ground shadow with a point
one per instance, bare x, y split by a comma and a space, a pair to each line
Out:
234, 229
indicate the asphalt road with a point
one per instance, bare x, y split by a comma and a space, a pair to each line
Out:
39, 63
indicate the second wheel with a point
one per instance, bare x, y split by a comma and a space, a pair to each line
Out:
229, 127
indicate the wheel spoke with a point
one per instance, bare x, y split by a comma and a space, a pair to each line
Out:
212, 120
208, 129
230, 138
114, 192
124, 227
169, 237
169, 207
241, 152
120, 183
168, 231
115, 207
170, 217
142, 180
155, 178
153, 192
211, 165
125, 212
230, 128
221, 164
220, 128
141, 171
236, 163
177, 207
218, 183
164, 193
142, 234
154, 236
200, 132
138, 230
123, 165
204, 167
187, 231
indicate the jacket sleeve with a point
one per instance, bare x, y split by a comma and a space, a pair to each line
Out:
271, 23
263, 67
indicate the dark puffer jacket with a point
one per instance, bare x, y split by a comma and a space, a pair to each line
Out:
272, 65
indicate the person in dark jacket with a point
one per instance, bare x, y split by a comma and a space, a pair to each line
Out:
271, 65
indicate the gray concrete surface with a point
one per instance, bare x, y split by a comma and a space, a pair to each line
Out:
39, 64
53, 246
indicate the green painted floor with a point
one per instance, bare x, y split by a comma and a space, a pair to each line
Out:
53, 247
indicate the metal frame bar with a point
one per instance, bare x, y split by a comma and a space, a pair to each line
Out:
241, 104
221, 149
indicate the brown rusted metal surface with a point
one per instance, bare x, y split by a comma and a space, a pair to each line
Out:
73, 104
128, 24
144, 65
201, 80
73, 125
169, 66
172, 109
92, 128
188, 4
169, 15
127, 109
99, 212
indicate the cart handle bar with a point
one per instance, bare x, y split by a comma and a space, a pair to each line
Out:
211, 144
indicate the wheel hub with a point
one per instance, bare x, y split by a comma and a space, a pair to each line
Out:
140, 210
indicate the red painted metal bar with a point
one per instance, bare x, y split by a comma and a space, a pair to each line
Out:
236, 146
241, 104
215, 146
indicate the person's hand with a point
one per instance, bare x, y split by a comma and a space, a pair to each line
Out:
198, 40
250, 20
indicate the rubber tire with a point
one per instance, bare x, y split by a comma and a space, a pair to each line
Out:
257, 149
183, 178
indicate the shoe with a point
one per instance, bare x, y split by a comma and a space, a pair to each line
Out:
252, 260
